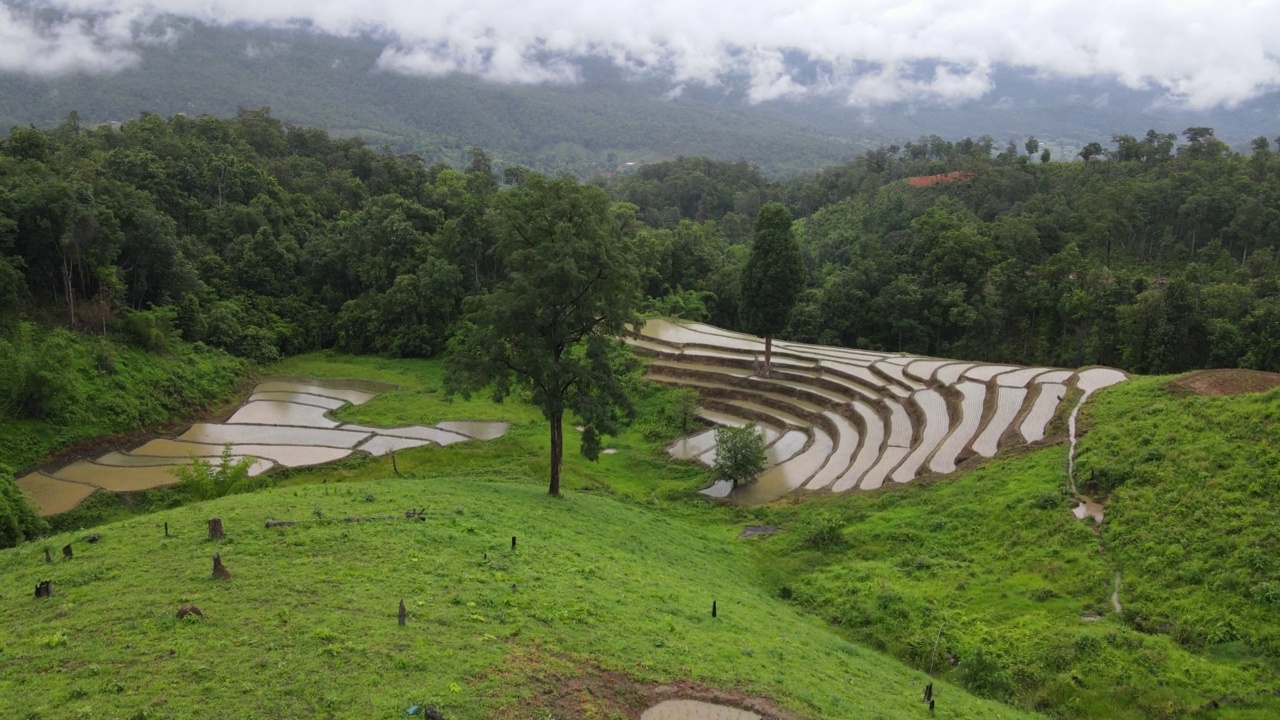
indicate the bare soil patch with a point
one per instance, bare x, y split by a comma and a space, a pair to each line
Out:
1224, 382
579, 689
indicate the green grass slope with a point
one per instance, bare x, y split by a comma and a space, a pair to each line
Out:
307, 626
90, 387
993, 568
1194, 518
989, 567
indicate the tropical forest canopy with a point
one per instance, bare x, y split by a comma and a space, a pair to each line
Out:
1155, 253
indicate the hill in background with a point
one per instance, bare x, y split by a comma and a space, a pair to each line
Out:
597, 125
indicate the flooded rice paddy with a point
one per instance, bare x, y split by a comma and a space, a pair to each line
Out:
843, 419
284, 423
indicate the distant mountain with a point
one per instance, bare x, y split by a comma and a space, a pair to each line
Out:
599, 124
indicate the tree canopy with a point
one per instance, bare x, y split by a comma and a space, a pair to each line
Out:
549, 327
773, 276
740, 454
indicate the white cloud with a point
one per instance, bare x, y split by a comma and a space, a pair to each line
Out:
1201, 54
29, 45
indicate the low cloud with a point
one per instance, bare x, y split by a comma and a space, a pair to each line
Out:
32, 45
1196, 53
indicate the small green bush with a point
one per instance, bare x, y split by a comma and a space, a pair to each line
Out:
824, 531
203, 481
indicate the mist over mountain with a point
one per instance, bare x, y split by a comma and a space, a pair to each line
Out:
603, 114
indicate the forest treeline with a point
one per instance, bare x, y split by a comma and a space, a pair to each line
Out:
1155, 254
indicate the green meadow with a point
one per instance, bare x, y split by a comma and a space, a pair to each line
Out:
985, 579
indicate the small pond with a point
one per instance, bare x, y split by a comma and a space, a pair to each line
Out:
695, 710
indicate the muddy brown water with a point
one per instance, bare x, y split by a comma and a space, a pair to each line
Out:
285, 455
355, 397
695, 710
300, 398
1089, 508
285, 421
476, 430
415, 432
272, 435
52, 495
274, 412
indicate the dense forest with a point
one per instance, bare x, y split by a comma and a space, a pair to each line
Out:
1154, 254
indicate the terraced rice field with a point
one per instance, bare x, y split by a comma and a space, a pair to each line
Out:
838, 419
282, 424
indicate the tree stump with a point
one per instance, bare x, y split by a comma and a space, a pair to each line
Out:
67, 553
403, 613
44, 589
190, 609
215, 529
220, 571
432, 713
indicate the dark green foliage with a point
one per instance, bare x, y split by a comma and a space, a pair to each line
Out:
548, 328
202, 480
18, 521
774, 273
60, 387
150, 329
740, 454
41, 379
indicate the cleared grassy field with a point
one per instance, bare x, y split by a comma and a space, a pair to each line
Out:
307, 626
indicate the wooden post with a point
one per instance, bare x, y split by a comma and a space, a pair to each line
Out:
166, 529
403, 613
713, 608
215, 529
394, 466
48, 557
513, 542
220, 571
66, 552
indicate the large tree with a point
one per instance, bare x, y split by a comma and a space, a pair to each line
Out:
773, 277
549, 326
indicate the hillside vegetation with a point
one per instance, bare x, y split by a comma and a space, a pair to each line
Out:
989, 567
597, 582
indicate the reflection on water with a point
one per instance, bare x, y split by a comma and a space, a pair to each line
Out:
272, 412
695, 710
1089, 508
476, 430
284, 422
52, 495
271, 434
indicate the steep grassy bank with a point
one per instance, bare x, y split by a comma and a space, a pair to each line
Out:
60, 388
1194, 514
309, 619
993, 569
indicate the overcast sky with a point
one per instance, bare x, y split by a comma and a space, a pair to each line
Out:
1201, 54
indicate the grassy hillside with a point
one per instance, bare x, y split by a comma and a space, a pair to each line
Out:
1015, 591
614, 583
1194, 522
87, 387
309, 620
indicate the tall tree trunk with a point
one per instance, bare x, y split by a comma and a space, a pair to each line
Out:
68, 291
557, 451
768, 353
